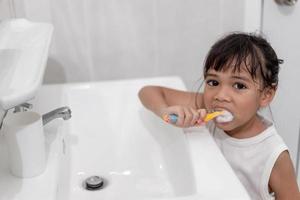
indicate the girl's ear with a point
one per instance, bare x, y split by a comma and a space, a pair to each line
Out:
267, 96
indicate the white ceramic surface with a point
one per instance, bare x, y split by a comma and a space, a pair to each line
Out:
23, 55
25, 139
112, 135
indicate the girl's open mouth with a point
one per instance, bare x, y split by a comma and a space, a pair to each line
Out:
225, 117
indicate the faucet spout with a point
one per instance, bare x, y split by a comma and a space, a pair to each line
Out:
63, 112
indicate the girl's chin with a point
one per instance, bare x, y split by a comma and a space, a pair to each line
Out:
226, 126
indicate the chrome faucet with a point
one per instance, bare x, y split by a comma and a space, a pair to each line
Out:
63, 112
23, 107
2, 116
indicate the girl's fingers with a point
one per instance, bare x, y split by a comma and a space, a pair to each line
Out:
202, 113
181, 115
188, 117
196, 116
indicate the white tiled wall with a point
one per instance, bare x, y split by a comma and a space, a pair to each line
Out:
104, 39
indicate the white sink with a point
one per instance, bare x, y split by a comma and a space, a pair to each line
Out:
111, 135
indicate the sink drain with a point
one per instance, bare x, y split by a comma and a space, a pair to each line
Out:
93, 183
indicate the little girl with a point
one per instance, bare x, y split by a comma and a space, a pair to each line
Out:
241, 76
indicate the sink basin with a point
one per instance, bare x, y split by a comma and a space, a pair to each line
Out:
112, 136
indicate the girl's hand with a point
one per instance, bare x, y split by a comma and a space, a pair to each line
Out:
187, 116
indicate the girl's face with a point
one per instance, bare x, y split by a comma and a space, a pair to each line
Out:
236, 92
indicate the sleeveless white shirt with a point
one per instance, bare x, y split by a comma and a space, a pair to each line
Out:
252, 159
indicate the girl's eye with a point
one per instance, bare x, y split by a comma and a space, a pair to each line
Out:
239, 86
212, 82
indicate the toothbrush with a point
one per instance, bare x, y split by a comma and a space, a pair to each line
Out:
222, 116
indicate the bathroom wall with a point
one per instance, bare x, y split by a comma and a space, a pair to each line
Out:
5, 9
116, 39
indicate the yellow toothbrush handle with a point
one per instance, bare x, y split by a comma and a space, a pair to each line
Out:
211, 116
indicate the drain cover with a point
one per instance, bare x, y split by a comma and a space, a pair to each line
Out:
93, 183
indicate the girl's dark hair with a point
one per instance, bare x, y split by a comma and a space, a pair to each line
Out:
253, 50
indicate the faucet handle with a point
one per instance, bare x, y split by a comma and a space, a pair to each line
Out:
23, 107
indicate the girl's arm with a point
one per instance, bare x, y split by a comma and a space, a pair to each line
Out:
283, 179
162, 100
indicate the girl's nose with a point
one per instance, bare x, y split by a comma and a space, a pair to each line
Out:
223, 94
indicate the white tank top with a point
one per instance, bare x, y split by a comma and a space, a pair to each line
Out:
252, 159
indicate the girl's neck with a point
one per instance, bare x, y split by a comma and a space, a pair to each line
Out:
250, 129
